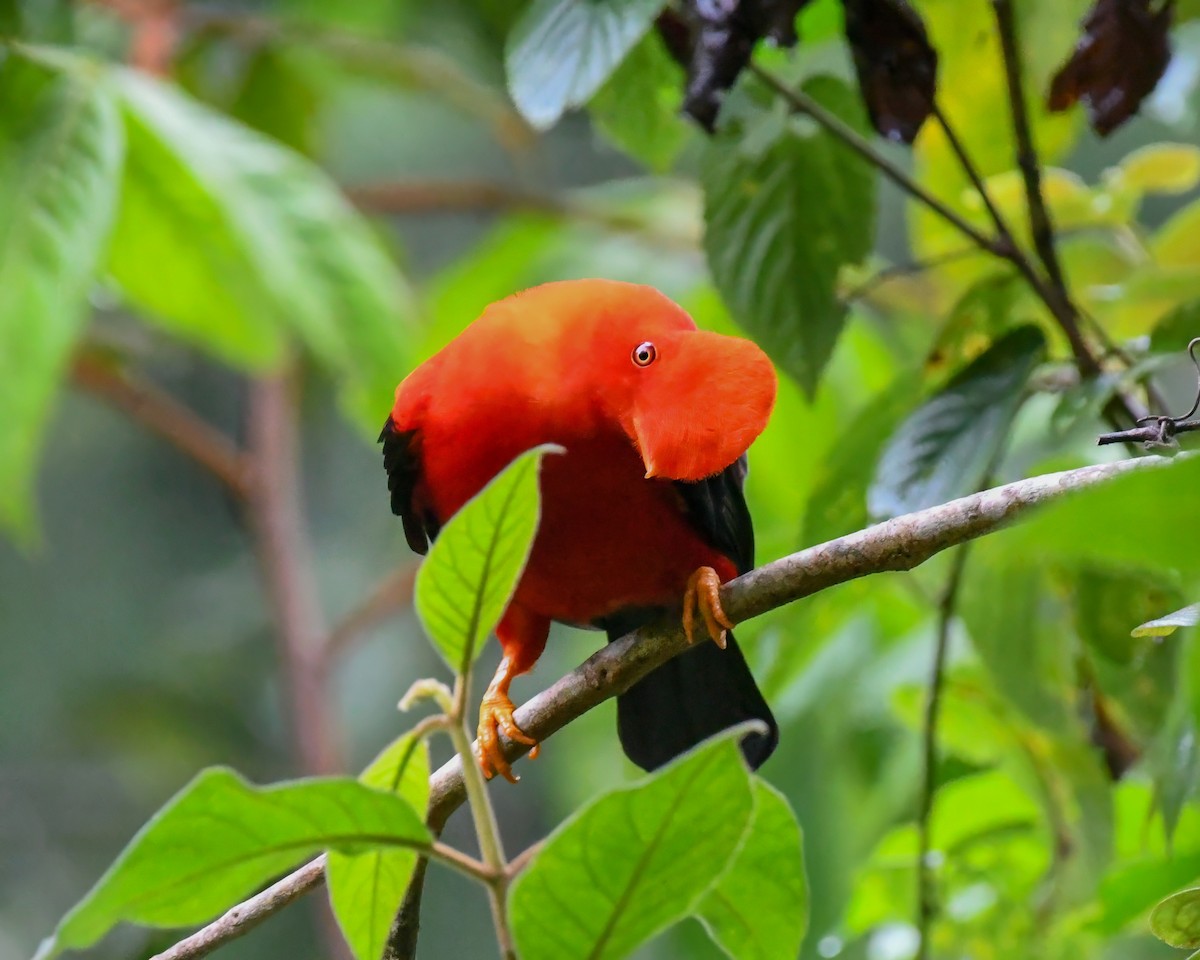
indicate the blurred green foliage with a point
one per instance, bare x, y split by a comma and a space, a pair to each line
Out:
191, 231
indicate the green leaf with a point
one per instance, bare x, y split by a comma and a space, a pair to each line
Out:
758, 910
220, 838
1176, 920
944, 448
366, 889
1174, 764
635, 861
1017, 630
561, 51
638, 108
1188, 616
472, 569
60, 158
1161, 168
837, 504
781, 223
1133, 520
234, 242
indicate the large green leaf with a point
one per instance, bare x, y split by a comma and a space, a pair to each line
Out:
781, 222
220, 838
1017, 628
365, 889
561, 51
638, 108
60, 157
1143, 519
944, 448
636, 860
465, 583
234, 242
758, 910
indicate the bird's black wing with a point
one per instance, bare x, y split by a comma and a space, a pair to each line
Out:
716, 508
402, 461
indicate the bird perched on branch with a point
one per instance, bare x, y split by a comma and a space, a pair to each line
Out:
643, 512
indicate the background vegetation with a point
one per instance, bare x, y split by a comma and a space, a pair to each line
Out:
199, 336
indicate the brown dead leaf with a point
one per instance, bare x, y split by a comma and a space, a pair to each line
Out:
896, 65
714, 40
1117, 62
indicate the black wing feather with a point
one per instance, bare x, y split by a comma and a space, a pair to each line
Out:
716, 508
402, 461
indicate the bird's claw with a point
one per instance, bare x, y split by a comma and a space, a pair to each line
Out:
495, 718
703, 595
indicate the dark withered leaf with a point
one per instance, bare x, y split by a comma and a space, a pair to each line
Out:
714, 40
896, 65
1117, 62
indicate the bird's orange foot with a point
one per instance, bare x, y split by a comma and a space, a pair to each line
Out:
495, 718
703, 595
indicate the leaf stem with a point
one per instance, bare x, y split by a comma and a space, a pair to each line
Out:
486, 829
163, 415
457, 860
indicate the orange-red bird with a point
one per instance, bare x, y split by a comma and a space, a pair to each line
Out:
644, 510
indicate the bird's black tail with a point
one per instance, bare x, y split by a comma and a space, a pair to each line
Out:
691, 697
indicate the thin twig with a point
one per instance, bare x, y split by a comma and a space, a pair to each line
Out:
240, 920
1053, 295
895, 270
440, 195
926, 886
1160, 432
972, 173
522, 859
457, 860
1000, 246
801, 102
1040, 226
166, 417
899, 544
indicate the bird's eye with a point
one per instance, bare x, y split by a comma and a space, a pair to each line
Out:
644, 354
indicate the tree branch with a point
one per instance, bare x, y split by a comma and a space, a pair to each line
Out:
276, 513
896, 545
240, 920
285, 556
166, 417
